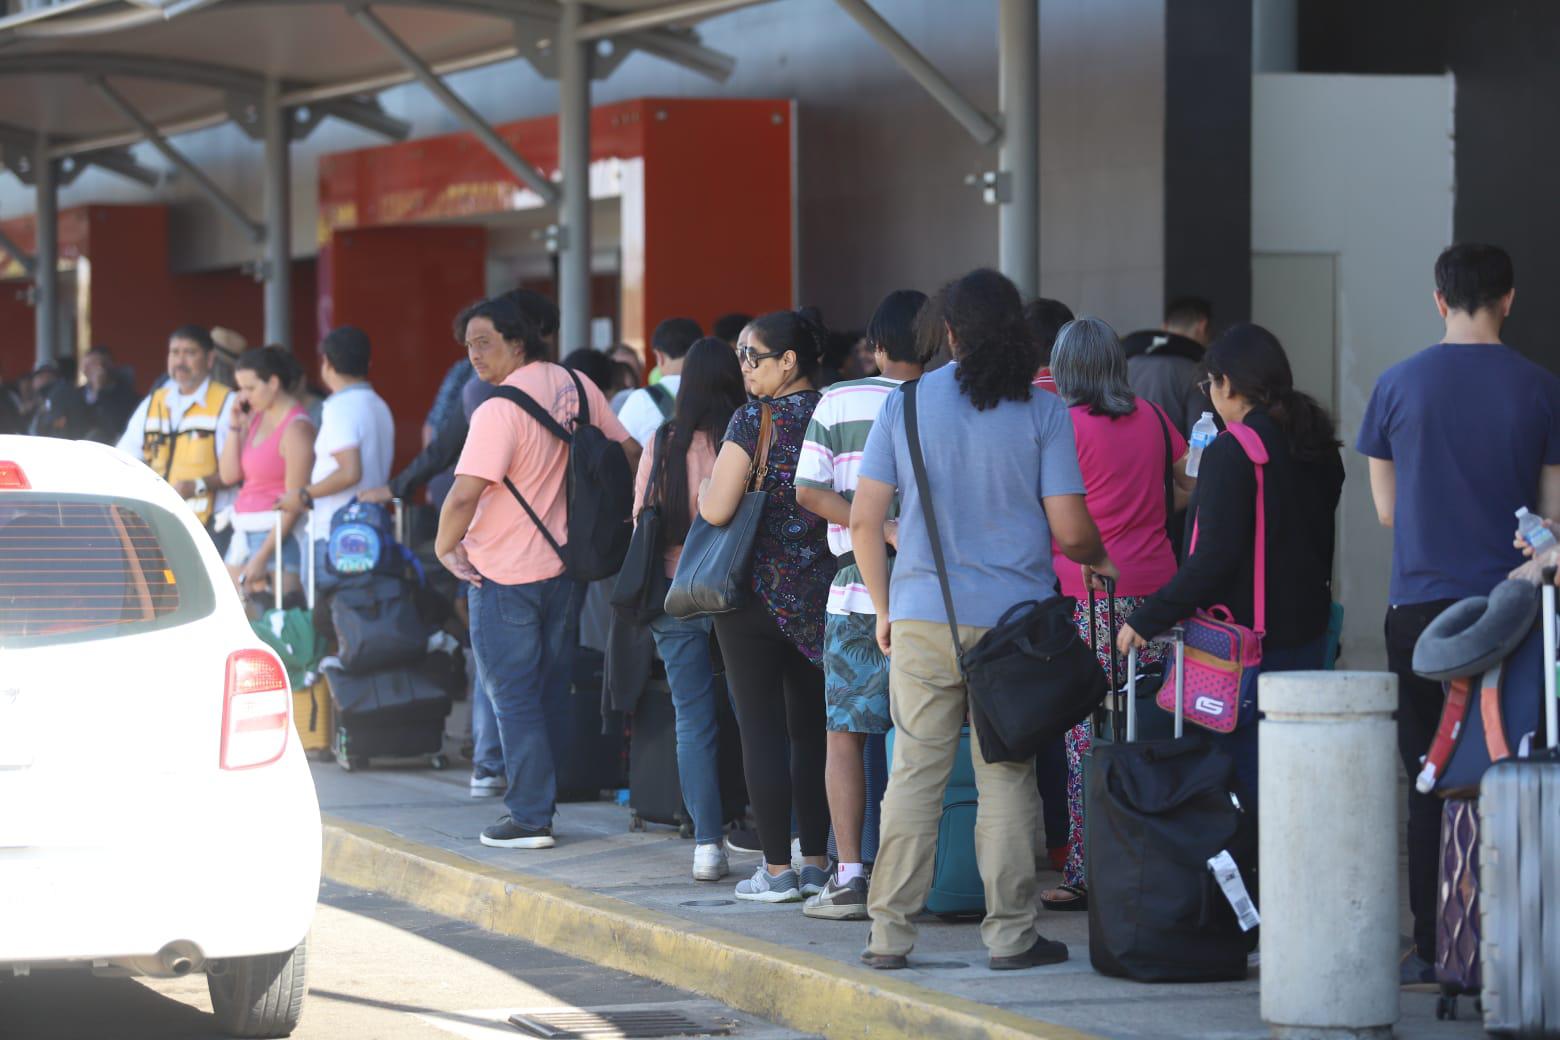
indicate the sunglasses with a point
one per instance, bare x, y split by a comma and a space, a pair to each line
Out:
750, 357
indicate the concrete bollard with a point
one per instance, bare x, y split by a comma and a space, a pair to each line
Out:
1327, 802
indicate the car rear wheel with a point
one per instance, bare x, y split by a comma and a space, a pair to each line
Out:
261, 996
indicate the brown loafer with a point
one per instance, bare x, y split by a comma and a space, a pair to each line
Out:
1044, 951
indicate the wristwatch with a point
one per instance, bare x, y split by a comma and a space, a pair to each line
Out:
306, 498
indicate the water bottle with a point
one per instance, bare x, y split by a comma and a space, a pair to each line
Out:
1202, 436
1533, 531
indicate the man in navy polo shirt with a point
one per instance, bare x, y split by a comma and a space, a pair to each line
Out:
1459, 437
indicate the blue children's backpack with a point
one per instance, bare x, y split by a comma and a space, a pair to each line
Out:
362, 541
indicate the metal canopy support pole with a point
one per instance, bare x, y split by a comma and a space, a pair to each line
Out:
46, 256
683, 11
154, 137
923, 71
1018, 220
277, 122
457, 107
574, 57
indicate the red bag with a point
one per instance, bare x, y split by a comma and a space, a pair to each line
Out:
1223, 658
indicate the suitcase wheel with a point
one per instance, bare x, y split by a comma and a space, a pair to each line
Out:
636, 822
1446, 1008
439, 761
352, 763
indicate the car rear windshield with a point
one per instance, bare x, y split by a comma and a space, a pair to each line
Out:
83, 567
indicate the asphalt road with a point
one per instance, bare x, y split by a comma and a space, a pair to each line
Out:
379, 970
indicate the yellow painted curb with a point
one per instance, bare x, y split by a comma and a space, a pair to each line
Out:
805, 991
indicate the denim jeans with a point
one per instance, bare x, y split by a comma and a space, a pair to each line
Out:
524, 639
487, 758
685, 647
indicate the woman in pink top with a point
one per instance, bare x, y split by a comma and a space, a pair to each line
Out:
1133, 461
679, 459
270, 452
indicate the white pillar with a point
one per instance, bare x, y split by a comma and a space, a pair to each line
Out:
46, 254
278, 217
574, 61
1018, 215
1327, 798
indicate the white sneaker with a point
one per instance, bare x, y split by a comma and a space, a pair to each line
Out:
486, 786
709, 862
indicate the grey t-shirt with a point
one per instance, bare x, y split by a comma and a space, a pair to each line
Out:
989, 471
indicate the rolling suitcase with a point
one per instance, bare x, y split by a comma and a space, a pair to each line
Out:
654, 787
592, 760
956, 890
394, 713
1457, 906
1519, 858
291, 633
1160, 816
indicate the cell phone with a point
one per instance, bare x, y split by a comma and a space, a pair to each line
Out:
243, 406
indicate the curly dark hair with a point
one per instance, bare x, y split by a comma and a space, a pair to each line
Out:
997, 356
509, 321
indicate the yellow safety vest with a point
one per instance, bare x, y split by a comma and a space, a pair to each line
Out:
188, 450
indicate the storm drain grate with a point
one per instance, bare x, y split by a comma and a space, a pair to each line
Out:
585, 1024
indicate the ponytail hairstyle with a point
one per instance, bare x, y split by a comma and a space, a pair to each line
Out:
268, 363
997, 356
800, 332
710, 391
1257, 368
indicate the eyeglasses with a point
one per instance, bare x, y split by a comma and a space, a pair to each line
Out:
750, 357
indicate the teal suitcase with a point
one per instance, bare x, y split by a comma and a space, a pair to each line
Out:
956, 887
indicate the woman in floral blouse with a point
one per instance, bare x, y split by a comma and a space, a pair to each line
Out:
773, 646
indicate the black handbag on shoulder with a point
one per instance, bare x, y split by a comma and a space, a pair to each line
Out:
715, 572
1031, 678
639, 593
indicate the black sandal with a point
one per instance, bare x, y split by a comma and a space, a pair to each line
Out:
1077, 899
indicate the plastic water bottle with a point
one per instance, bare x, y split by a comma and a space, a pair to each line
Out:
1533, 531
1202, 436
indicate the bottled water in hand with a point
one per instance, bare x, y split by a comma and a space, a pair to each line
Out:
1202, 436
1534, 531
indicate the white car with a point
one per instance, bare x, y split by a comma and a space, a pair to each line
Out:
157, 816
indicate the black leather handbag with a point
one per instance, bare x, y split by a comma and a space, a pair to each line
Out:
1031, 678
639, 593
715, 572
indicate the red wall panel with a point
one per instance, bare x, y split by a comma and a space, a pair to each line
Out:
404, 286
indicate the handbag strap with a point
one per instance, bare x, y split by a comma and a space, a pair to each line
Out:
929, 511
1256, 451
657, 460
1164, 429
758, 467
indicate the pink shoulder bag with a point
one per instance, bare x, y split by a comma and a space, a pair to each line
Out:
1222, 657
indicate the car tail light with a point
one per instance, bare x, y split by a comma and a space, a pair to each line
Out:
256, 710
12, 478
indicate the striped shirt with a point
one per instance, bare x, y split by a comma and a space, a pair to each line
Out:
831, 459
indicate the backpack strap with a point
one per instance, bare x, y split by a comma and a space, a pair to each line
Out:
1164, 428
662, 399
1490, 711
529, 405
1257, 452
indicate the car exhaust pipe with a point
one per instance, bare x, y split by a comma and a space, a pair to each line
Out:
179, 958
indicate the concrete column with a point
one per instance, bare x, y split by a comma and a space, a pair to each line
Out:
1327, 797
277, 122
574, 61
1018, 69
46, 254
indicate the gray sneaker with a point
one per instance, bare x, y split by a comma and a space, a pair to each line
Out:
814, 879
847, 902
764, 887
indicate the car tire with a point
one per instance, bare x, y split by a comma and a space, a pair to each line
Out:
258, 997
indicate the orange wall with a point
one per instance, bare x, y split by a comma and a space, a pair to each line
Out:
404, 286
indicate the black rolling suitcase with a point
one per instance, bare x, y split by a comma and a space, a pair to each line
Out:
1160, 814
593, 758
654, 789
393, 713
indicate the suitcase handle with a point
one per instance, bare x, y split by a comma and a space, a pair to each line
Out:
1551, 710
1119, 726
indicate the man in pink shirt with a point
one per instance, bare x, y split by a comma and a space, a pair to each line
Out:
523, 605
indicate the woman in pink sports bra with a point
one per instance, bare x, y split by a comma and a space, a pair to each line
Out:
270, 452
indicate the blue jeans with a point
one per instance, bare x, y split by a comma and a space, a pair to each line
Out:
523, 638
685, 647
487, 758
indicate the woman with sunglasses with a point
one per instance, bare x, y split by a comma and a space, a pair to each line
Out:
773, 646
1250, 381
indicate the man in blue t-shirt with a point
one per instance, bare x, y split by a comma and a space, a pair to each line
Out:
1460, 436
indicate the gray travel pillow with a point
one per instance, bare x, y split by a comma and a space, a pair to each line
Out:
1476, 633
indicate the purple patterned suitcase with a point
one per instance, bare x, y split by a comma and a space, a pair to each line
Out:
1457, 905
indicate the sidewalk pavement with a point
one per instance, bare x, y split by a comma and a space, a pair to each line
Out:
627, 901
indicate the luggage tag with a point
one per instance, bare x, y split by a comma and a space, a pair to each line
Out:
1228, 876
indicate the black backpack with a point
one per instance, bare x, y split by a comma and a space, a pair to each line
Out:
599, 489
